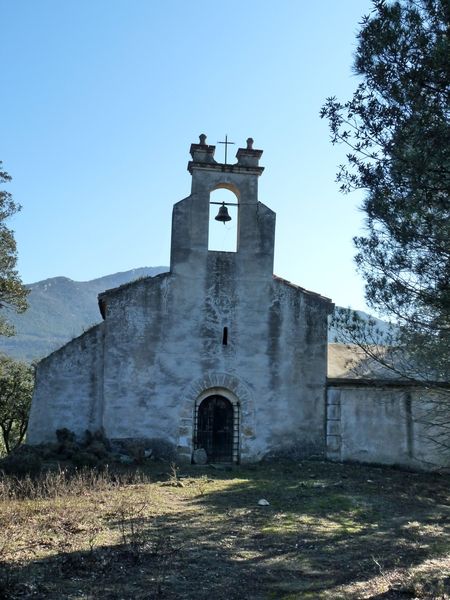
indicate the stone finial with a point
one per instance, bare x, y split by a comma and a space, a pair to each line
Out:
249, 157
201, 152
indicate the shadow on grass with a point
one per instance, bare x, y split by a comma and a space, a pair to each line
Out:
326, 526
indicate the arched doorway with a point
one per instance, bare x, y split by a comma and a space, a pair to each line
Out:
215, 427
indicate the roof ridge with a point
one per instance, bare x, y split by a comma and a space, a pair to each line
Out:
298, 287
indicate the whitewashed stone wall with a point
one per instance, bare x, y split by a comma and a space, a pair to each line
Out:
69, 388
390, 423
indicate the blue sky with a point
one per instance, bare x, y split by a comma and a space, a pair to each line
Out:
101, 100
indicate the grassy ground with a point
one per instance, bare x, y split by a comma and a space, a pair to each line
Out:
330, 532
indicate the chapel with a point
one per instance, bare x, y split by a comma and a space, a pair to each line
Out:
217, 354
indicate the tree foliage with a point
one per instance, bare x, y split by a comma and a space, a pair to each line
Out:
16, 389
12, 292
397, 129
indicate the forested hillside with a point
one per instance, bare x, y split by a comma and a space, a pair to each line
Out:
60, 309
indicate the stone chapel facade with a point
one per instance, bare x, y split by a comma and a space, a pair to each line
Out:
217, 353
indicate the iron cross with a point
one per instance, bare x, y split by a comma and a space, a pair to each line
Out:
226, 142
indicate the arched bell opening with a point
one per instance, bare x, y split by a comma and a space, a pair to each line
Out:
228, 186
223, 219
217, 428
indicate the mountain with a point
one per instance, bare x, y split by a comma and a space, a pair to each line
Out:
61, 309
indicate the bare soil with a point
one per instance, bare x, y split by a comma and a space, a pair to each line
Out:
330, 532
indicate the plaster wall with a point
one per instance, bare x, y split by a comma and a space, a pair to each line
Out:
392, 425
163, 334
69, 388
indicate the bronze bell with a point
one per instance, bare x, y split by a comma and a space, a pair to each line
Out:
223, 215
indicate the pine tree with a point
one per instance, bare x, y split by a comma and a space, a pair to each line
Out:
396, 127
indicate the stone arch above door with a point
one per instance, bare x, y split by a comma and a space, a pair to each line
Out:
230, 387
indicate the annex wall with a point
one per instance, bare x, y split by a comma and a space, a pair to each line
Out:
392, 423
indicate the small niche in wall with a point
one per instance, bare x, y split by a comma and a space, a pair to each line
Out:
225, 336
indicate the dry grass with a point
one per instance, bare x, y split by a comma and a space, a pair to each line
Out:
330, 532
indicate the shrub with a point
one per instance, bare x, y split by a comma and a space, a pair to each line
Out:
83, 458
64, 435
98, 449
25, 460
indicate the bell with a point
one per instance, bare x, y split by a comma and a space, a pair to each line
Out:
223, 215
